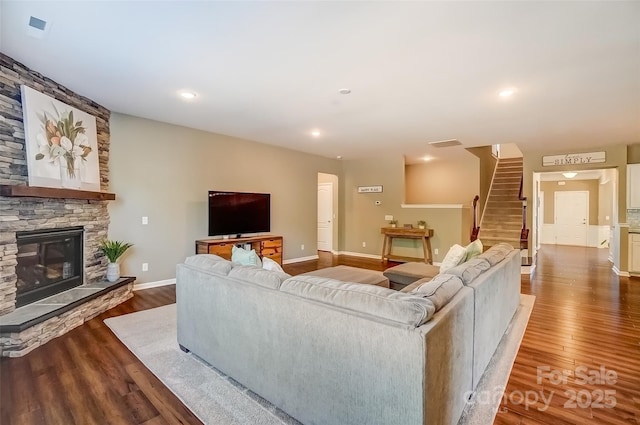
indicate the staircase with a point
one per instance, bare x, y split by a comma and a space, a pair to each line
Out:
502, 218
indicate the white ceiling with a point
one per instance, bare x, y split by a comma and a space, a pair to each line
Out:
418, 71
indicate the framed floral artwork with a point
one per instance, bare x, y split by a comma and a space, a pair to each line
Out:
61, 143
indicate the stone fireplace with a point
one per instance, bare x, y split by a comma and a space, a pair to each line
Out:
32, 218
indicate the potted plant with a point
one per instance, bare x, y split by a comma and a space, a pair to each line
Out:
393, 223
422, 224
113, 250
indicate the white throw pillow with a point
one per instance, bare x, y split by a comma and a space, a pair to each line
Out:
269, 264
455, 256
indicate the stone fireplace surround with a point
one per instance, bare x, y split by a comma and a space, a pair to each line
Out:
18, 213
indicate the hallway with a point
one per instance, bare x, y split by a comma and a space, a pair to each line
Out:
581, 350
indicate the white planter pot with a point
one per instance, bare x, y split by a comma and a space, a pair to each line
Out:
113, 272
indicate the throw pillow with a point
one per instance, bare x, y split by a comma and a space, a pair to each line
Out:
244, 257
269, 264
454, 257
473, 250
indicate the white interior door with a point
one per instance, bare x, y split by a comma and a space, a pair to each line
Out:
571, 217
325, 216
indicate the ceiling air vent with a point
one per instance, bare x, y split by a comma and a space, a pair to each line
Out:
36, 23
37, 28
445, 143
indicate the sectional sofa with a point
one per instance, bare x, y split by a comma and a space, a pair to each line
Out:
333, 352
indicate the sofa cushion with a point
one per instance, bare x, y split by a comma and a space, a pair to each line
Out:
473, 250
470, 270
259, 276
209, 262
496, 253
439, 290
454, 256
245, 257
407, 273
372, 300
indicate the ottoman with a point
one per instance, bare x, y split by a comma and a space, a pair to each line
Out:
407, 273
352, 274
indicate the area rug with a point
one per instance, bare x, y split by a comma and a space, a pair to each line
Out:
217, 399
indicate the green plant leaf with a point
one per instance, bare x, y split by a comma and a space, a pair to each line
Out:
114, 249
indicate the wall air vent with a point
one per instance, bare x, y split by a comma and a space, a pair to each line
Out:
445, 143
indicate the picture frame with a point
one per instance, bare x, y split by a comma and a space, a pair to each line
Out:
61, 143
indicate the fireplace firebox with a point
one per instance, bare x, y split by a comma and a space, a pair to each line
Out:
49, 261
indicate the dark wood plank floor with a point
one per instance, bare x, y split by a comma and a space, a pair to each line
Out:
585, 316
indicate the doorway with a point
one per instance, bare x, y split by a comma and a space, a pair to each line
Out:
327, 203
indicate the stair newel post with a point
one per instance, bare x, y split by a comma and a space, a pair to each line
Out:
476, 229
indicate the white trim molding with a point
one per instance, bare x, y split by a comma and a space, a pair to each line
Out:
360, 254
300, 259
620, 273
433, 206
147, 285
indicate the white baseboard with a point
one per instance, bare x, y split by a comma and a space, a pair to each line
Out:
620, 273
147, 285
300, 259
360, 254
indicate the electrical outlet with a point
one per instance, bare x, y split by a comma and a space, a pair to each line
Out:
145, 267
388, 217
364, 244
302, 247
435, 251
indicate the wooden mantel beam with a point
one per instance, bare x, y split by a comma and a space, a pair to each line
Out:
55, 193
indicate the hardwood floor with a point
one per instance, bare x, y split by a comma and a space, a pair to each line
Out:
585, 317
586, 320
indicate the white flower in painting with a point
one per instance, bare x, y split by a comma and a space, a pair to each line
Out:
66, 143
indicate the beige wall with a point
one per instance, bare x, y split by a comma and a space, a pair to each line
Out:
605, 196
633, 154
443, 181
550, 188
363, 218
163, 171
487, 166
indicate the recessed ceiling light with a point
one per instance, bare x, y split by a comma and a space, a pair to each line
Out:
427, 158
344, 91
188, 95
339, 157
570, 175
506, 93
315, 133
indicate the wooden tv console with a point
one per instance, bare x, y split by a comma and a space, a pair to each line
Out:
265, 246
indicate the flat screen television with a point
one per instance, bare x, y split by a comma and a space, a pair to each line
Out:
235, 213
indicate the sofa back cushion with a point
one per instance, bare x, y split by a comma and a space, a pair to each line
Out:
439, 290
259, 276
467, 272
210, 262
496, 253
372, 300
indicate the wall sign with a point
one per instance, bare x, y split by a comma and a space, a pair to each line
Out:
574, 158
369, 189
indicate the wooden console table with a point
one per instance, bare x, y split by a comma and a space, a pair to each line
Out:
405, 233
265, 246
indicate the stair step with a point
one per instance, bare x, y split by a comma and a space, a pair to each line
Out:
506, 160
499, 233
494, 224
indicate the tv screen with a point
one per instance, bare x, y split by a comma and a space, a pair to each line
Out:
235, 213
